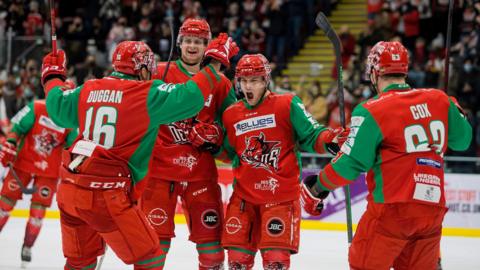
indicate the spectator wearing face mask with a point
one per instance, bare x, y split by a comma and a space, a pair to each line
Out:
469, 82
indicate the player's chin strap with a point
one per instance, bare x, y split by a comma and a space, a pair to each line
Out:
373, 85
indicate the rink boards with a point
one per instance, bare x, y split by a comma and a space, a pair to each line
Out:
462, 193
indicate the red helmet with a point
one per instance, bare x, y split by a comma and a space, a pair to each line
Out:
130, 56
195, 27
253, 65
387, 58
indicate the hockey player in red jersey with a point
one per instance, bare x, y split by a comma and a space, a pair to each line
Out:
399, 138
33, 148
105, 170
264, 131
183, 165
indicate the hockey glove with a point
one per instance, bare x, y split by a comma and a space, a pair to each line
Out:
206, 136
334, 139
54, 66
311, 199
8, 152
221, 49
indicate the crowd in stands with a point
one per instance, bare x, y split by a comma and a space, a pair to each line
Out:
89, 30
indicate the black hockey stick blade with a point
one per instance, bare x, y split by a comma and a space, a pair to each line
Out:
323, 23
24, 189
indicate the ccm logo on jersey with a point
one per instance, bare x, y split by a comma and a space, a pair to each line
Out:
255, 123
108, 184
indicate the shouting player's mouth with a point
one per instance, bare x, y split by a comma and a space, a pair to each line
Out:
192, 53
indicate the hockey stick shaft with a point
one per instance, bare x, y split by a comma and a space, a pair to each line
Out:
323, 23
448, 42
172, 40
100, 262
24, 189
52, 21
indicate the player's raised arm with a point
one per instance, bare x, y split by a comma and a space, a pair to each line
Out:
62, 103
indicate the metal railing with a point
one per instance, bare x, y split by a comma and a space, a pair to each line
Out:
17, 49
453, 164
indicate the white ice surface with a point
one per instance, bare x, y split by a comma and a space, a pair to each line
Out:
318, 250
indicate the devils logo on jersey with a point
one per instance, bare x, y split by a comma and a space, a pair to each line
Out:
261, 153
180, 129
45, 142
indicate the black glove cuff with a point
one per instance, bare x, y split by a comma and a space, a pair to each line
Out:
210, 147
206, 61
54, 76
332, 148
12, 141
311, 183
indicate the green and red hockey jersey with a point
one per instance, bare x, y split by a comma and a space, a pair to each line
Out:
399, 138
263, 143
42, 141
174, 157
123, 114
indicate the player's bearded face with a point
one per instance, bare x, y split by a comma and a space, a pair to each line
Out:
253, 88
192, 49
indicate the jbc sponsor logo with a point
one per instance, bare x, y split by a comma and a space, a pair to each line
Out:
275, 227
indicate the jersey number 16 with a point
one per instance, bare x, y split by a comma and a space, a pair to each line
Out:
103, 130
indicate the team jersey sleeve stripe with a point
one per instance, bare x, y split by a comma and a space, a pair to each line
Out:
306, 128
24, 120
62, 106
324, 183
336, 179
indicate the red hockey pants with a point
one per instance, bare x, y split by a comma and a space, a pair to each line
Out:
405, 236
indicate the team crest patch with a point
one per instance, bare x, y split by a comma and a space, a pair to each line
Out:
261, 153
157, 216
233, 225
188, 161
45, 192
271, 184
210, 219
45, 142
179, 130
275, 227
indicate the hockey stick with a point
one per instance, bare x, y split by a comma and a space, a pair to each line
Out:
172, 40
24, 189
100, 262
323, 23
448, 42
52, 21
